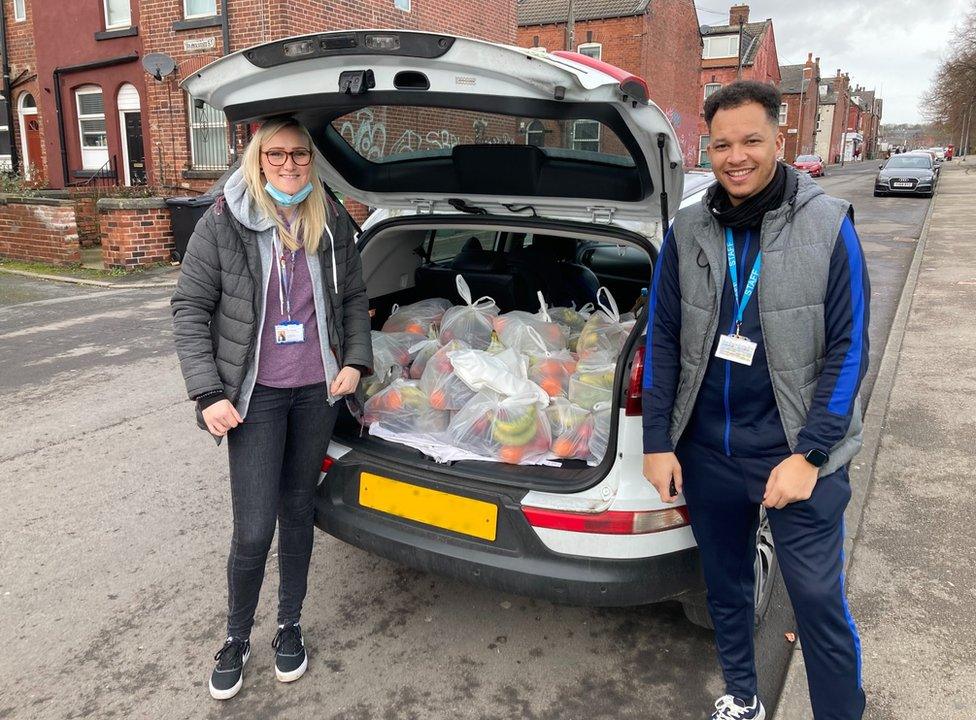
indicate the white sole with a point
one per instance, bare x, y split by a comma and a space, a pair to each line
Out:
231, 692
292, 676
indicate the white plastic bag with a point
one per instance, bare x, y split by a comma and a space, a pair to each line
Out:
510, 429
600, 439
592, 383
422, 353
571, 427
470, 323
606, 331
513, 330
417, 317
444, 388
505, 373
392, 353
404, 407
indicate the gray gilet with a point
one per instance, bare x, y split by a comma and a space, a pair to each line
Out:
797, 240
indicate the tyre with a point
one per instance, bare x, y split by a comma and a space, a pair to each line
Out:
877, 194
765, 568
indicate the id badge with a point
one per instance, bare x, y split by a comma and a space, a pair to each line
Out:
736, 348
289, 332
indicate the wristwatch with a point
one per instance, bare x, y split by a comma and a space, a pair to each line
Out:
817, 458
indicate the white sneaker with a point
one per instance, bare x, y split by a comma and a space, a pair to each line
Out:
729, 708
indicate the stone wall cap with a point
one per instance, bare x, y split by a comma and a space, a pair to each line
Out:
146, 203
31, 200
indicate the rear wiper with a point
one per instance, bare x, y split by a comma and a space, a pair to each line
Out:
462, 206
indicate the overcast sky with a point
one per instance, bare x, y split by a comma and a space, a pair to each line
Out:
893, 46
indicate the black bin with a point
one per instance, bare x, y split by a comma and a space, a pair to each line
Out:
186, 211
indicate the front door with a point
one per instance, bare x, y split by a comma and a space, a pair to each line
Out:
32, 134
135, 171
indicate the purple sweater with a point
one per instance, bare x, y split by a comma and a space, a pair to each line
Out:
294, 364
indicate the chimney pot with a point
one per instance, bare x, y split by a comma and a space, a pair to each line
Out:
738, 14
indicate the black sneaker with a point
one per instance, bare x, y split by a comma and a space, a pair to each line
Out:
227, 677
291, 660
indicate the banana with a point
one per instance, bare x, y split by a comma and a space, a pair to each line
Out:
518, 431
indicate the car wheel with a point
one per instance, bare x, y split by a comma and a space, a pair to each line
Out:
877, 194
765, 569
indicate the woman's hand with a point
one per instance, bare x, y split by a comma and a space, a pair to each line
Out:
345, 382
221, 417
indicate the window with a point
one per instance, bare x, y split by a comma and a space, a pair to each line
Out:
20, 10
117, 14
593, 50
586, 135
535, 134
199, 8
91, 127
703, 150
4, 136
721, 46
784, 110
711, 89
448, 242
208, 138
402, 5
818, 122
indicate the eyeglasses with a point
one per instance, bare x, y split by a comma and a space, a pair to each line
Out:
278, 157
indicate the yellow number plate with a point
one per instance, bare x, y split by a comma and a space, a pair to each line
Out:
431, 507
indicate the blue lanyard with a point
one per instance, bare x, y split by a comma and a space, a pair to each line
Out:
740, 304
285, 278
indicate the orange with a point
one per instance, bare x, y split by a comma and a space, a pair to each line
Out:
512, 454
438, 400
563, 447
552, 386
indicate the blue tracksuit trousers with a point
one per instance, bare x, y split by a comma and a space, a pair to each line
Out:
723, 495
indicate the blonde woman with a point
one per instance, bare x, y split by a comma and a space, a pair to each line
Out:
271, 323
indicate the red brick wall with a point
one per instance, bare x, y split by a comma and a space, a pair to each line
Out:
22, 56
800, 142
662, 46
135, 232
39, 230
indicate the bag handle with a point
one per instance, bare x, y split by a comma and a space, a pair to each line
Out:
465, 292
610, 306
534, 336
543, 307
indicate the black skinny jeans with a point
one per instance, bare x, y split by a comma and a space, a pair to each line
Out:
275, 458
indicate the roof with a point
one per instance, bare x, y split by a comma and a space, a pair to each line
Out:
752, 34
544, 12
791, 79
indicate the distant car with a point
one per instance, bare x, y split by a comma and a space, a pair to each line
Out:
940, 153
812, 164
908, 174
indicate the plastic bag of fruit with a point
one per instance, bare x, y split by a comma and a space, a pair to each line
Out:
550, 370
445, 390
471, 322
600, 439
422, 353
505, 373
392, 352
417, 317
403, 407
513, 330
513, 430
606, 331
571, 427
592, 383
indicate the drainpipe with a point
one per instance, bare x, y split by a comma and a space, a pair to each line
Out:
58, 105
738, 70
225, 36
14, 157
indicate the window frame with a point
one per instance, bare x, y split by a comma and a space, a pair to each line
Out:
596, 140
399, 5
589, 46
116, 26
535, 127
187, 16
703, 160
22, 15
706, 94
192, 125
97, 150
784, 113
5, 158
709, 40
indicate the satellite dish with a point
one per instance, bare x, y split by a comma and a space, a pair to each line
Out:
159, 65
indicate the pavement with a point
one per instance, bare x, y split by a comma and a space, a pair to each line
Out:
911, 550
152, 277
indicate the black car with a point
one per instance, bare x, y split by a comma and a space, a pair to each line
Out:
908, 174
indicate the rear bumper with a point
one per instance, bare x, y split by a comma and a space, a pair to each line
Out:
517, 562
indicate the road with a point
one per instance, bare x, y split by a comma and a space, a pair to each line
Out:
115, 523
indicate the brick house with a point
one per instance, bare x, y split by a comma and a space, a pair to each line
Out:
113, 112
871, 123
835, 104
799, 87
739, 50
22, 128
657, 40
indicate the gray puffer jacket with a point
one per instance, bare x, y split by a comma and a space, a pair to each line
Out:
219, 300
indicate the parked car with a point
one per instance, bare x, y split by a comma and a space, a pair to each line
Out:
524, 171
911, 173
812, 164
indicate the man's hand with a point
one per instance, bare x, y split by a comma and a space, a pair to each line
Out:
345, 382
660, 469
221, 417
790, 481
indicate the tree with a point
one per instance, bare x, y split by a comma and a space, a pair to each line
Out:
951, 99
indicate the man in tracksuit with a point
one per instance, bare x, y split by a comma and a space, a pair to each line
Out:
757, 342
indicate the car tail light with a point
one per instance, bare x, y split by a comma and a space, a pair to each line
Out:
634, 406
612, 522
328, 463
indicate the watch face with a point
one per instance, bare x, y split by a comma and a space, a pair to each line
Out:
817, 458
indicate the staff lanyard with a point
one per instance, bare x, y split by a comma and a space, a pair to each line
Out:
740, 304
285, 278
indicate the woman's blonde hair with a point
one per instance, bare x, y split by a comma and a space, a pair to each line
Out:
311, 214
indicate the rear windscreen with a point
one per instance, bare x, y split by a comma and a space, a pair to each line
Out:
382, 134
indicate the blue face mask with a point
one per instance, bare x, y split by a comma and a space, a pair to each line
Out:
285, 199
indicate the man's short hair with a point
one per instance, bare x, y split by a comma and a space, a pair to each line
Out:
742, 92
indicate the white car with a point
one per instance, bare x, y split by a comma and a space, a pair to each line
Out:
525, 171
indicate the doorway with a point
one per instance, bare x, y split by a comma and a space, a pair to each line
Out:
30, 136
130, 124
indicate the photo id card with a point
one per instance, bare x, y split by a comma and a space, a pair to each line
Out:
289, 332
736, 348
